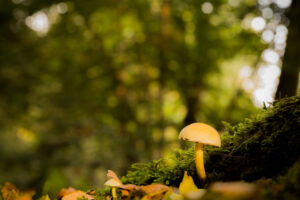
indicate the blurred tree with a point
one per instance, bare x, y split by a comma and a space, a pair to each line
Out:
88, 86
288, 82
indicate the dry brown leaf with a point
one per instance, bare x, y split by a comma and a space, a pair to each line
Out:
155, 191
130, 187
7, 189
150, 190
45, 197
154, 188
154, 195
124, 193
65, 191
72, 194
22, 197
77, 194
10, 192
91, 192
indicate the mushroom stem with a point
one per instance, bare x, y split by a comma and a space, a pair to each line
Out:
199, 161
114, 193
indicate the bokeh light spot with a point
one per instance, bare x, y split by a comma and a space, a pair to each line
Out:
264, 2
245, 72
283, 3
268, 36
270, 56
267, 13
258, 24
38, 22
207, 8
248, 85
262, 96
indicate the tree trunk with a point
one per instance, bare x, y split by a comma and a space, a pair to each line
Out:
290, 69
191, 104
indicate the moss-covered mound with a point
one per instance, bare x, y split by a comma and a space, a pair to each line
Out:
264, 146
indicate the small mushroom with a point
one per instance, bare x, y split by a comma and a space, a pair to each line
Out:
202, 134
114, 184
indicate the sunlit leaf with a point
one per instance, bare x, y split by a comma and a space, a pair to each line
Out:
45, 197
64, 192
187, 184
72, 194
173, 195
76, 195
154, 188
156, 191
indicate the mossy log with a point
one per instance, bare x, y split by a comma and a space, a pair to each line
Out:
261, 147
264, 146
286, 186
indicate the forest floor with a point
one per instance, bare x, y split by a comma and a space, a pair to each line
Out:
259, 159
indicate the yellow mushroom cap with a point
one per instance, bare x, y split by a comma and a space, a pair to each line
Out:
202, 133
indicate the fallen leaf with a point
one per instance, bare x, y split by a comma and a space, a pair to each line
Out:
65, 191
11, 192
91, 192
72, 194
7, 189
129, 187
20, 197
45, 197
77, 194
173, 195
187, 184
154, 190
124, 193
126, 189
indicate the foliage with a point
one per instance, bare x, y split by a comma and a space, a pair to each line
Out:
109, 75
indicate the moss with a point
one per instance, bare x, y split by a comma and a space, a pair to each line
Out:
260, 147
102, 193
158, 171
283, 187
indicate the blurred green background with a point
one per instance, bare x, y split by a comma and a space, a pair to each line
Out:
87, 86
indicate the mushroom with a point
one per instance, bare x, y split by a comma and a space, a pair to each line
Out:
201, 134
114, 184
